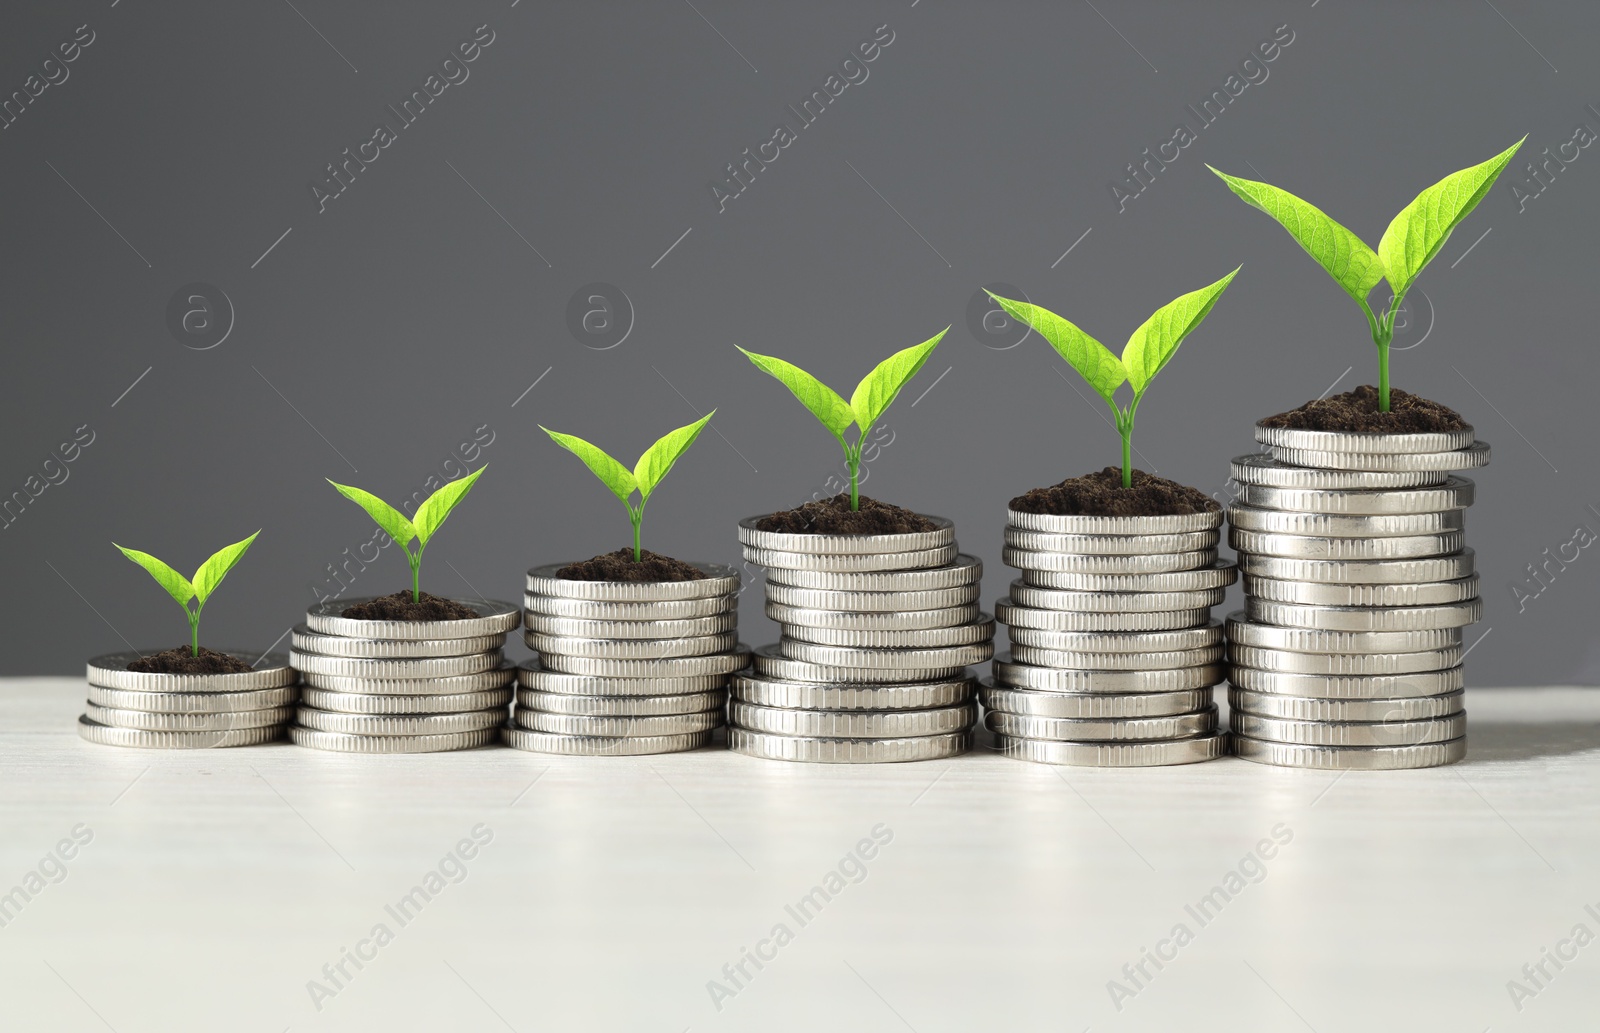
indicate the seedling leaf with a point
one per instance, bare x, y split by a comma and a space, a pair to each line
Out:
1353, 265
878, 389
657, 460
1094, 361
393, 522
213, 570
824, 402
431, 514
175, 583
1422, 226
611, 473
1156, 341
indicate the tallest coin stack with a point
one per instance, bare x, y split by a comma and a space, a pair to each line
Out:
1357, 584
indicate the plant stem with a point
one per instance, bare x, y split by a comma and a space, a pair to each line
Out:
854, 459
1127, 458
194, 633
416, 571
1383, 376
637, 554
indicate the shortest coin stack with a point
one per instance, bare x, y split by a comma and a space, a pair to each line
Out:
398, 686
187, 711
626, 667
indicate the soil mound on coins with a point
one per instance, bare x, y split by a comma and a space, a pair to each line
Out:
1358, 411
834, 516
621, 566
182, 661
1102, 494
401, 607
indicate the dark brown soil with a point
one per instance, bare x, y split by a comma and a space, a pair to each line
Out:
1102, 494
621, 566
1358, 411
182, 661
400, 607
834, 516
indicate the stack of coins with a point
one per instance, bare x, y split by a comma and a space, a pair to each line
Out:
871, 665
1357, 585
1113, 649
187, 711
626, 667
398, 686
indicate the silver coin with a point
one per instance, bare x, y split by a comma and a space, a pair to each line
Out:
853, 724
1261, 468
1116, 754
602, 746
1469, 458
1095, 705
437, 667
887, 659
370, 703
304, 640
399, 724
1218, 575
1078, 660
161, 722
1242, 632
193, 702
621, 706
943, 534
139, 738
1112, 603
720, 580
1305, 547
630, 649
1345, 758
1068, 563
1141, 642
1363, 618
1076, 620
799, 695
1350, 686
1112, 729
1345, 525
1349, 733
1304, 708
1453, 493
1177, 523
852, 563
531, 674
1366, 441
494, 678
1361, 572
494, 618
661, 610
271, 671
1110, 544
814, 750
849, 620
973, 632
871, 602
1311, 593
769, 662
343, 742
963, 570
594, 725
574, 627
670, 667
1011, 674
1342, 663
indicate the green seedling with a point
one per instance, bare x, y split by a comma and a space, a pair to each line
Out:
196, 590
1413, 238
1147, 352
430, 517
646, 475
872, 397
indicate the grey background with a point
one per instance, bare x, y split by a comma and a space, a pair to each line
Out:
376, 336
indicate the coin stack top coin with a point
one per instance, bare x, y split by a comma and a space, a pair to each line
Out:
402, 686
1357, 584
187, 711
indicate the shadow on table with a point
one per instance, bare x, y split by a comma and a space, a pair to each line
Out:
1490, 742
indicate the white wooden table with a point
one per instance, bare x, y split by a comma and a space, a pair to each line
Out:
1007, 896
